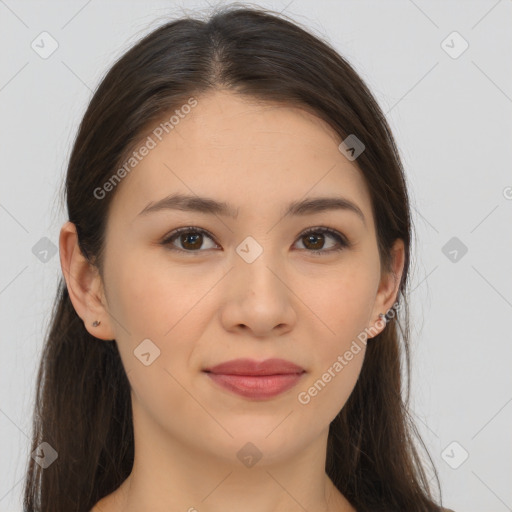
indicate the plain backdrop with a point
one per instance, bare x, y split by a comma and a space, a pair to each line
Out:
441, 71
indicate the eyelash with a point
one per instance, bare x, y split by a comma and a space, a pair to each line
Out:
342, 241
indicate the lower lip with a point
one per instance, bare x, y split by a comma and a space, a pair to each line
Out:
258, 387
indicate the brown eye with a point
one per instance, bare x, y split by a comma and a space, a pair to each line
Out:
314, 240
191, 239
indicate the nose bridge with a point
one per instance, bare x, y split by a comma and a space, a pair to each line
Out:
257, 264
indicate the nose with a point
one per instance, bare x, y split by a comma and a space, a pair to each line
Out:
258, 298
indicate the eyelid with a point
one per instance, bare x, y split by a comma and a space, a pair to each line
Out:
342, 240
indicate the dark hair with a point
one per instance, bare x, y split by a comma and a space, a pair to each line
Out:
371, 456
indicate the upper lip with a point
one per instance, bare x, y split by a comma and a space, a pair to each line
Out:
253, 367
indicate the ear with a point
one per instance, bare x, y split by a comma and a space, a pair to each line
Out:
388, 287
84, 284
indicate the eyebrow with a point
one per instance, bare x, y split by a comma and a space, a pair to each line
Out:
211, 206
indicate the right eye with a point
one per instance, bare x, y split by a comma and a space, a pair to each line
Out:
191, 239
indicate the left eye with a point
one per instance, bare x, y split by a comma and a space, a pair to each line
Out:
314, 234
192, 239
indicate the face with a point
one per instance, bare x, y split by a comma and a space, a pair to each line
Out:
249, 282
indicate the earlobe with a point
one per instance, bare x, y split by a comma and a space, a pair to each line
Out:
84, 284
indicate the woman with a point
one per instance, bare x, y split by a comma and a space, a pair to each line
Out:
226, 335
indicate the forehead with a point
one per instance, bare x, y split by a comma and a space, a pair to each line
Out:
241, 151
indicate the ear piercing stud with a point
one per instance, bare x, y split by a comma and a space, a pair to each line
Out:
96, 323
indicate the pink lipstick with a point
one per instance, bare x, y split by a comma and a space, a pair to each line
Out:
257, 380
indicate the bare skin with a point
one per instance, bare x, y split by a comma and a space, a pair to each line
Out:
212, 306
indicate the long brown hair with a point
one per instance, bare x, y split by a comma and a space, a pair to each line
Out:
83, 405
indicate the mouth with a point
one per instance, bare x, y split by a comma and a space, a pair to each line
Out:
256, 368
256, 380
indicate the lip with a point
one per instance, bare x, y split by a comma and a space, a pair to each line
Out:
253, 367
256, 379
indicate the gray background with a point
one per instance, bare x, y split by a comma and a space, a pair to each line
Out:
451, 116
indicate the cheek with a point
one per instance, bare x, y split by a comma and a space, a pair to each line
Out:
345, 299
153, 318
344, 304
148, 295
338, 363
151, 301
137, 300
